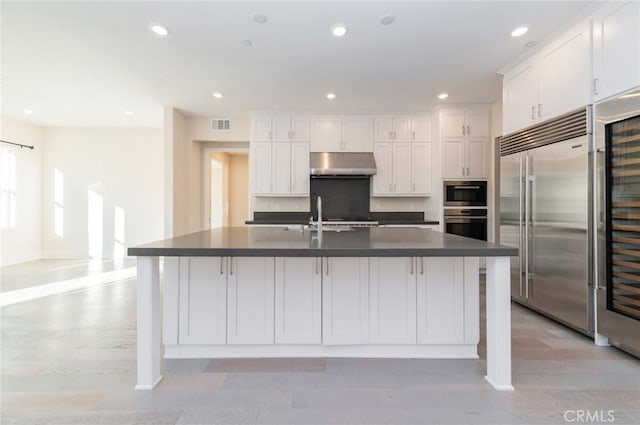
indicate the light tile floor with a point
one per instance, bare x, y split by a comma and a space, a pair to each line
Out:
70, 359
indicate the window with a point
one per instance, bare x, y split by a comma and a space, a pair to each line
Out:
7, 189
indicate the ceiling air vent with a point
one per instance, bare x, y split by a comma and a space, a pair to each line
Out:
220, 124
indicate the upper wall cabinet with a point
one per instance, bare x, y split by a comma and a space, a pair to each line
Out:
616, 49
554, 81
342, 133
402, 129
280, 128
465, 142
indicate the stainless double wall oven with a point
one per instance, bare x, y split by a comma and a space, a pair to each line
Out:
465, 208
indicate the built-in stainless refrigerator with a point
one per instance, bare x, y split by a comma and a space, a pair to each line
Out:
544, 211
617, 139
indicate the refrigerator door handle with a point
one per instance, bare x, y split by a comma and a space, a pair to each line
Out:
528, 212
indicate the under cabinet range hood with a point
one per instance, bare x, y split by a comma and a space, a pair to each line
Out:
342, 164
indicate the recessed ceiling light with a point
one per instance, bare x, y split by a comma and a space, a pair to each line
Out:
338, 30
521, 30
158, 29
218, 95
128, 113
331, 95
386, 20
443, 96
247, 43
27, 111
260, 19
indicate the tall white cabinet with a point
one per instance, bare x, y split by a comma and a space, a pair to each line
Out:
280, 155
402, 150
465, 135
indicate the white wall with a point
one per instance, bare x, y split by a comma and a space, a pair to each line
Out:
122, 168
24, 242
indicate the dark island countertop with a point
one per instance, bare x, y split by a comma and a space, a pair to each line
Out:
300, 242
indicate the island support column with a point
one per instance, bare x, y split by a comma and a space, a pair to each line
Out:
498, 315
148, 337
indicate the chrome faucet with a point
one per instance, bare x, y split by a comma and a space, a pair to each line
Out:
319, 207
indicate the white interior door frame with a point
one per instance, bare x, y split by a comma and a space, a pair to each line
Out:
206, 179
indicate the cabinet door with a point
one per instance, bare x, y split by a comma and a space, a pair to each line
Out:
422, 128
345, 301
477, 157
402, 129
478, 123
383, 129
453, 165
281, 167
564, 74
452, 123
520, 97
298, 303
440, 300
281, 128
383, 179
616, 49
203, 301
392, 286
421, 168
401, 168
300, 128
250, 300
357, 134
261, 129
262, 164
326, 134
300, 168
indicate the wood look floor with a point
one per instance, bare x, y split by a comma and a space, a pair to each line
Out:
70, 359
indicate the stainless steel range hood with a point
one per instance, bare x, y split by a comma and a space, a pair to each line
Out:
342, 164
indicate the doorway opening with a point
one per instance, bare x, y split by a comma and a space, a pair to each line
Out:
227, 192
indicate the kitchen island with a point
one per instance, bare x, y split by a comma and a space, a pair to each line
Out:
291, 292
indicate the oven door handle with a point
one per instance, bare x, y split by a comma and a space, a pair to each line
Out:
464, 219
467, 187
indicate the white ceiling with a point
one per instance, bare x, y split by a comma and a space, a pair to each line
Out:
84, 63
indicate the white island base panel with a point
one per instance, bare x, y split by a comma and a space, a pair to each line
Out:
459, 351
392, 307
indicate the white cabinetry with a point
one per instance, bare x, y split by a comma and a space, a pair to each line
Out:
402, 128
465, 136
616, 49
280, 128
392, 288
203, 301
298, 304
342, 133
402, 150
441, 300
553, 82
345, 300
250, 282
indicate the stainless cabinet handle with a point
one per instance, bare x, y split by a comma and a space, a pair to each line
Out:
221, 262
413, 135
231, 266
463, 130
595, 86
421, 265
533, 112
293, 134
468, 130
411, 264
316, 265
327, 266
468, 172
463, 171
395, 136
391, 135
539, 110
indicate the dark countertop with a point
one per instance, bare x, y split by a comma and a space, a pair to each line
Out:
383, 218
361, 242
